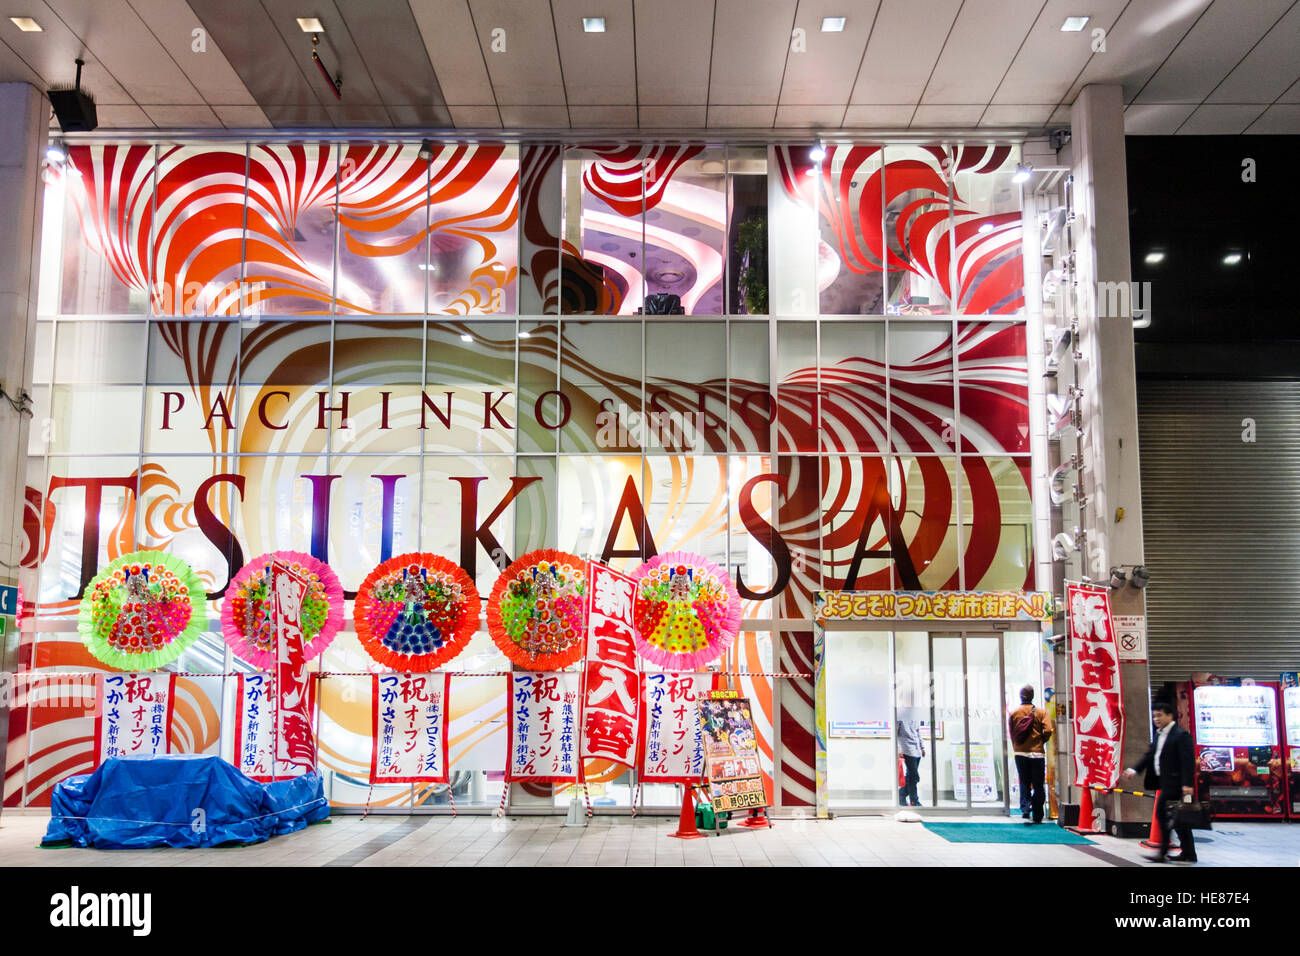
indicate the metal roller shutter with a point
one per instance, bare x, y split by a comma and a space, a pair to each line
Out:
1221, 527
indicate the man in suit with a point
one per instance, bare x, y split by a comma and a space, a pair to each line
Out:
1170, 765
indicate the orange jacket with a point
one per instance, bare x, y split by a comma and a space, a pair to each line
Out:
1034, 740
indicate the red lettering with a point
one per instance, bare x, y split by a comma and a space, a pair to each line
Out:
167, 407
219, 407
261, 411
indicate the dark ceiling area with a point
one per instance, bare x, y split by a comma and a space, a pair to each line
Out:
1212, 223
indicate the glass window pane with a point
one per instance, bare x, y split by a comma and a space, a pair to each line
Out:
922, 491
851, 251
686, 221
543, 408
469, 395
798, 421
912, 689
993, 387
852, 386
601, 363
987, 232
997, 520
922, 416
747, 279
861, 756
753, 407
918, 230
108, 352
686, 386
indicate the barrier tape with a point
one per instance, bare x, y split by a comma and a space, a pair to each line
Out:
1131, 793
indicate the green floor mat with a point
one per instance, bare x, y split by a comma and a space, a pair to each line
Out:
1004, 833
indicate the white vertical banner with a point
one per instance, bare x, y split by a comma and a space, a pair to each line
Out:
134, 715
295, 742
611, 687
410, 728
672, 742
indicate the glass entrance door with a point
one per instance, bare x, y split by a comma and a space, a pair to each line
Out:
968, 757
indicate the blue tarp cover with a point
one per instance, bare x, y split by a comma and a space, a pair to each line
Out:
136, 802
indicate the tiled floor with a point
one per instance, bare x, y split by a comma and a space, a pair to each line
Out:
645, 841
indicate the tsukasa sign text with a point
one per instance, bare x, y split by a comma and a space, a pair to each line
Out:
934, 606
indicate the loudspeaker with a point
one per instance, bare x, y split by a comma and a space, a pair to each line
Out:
75, 110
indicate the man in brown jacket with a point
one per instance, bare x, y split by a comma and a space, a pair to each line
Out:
1030, 729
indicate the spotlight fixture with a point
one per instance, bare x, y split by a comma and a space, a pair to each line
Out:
427, 150
1023, 172
310, 25
1232, 258
833, 24
1140, 577
817, 153
1117, 578
74, 107
593, 24
56, 153
1074, 24
26, 24
1154, 258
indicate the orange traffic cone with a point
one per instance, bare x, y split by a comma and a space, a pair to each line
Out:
686, 829
1085, 813
1152, 842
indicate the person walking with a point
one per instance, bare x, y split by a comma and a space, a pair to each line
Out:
1030, 730
1169, 766
912, 748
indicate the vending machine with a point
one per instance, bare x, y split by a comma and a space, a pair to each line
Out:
1291, 742
1239, 750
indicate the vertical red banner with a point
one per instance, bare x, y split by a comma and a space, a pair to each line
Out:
295, 743
1097, 701
611, 681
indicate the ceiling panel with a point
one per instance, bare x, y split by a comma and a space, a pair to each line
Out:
826, 71
883, 116
12, 67
534, 117
1268, 69
1292, 95
53, 53
123, 117
1220, 119
1208, 53
119, 39
297, 114
1049, 60
173, 23
751, 40
528, 71
1280, 118
338, 52
242, 117
947, 115
475, 117
178, 117
981, 46
668, 117
904, 46
748, 117
1156, 119
815, 117
674, 44
1001, 114
388, 41
451, 43
1145, 34
599, 68
623, 117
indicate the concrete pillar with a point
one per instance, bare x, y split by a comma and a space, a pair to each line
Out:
1112, 518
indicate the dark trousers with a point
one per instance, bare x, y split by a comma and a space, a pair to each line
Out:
907, 793
1032, 772
1185, 839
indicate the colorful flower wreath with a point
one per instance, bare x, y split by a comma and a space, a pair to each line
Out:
537, 613
246, 612
142, 611
415, 612
687, 611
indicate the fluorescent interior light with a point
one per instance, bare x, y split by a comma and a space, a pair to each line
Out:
310, 25
26, 24
593, 24
833, 24
818, 153
1074, 24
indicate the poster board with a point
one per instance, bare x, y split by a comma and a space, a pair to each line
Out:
735, 779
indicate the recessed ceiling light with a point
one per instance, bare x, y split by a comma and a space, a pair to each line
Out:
593, 24
55, 153
833, 24
1074, 24
310, 25
1232, 258
26, 24
1152, 258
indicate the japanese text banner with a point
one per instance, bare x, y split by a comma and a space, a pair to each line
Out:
410, 728
134, 715
254, 741
611, 689
672, 744
543, 714
295, 741
1096, 693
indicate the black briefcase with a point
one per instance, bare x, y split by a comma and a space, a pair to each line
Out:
1193, 816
